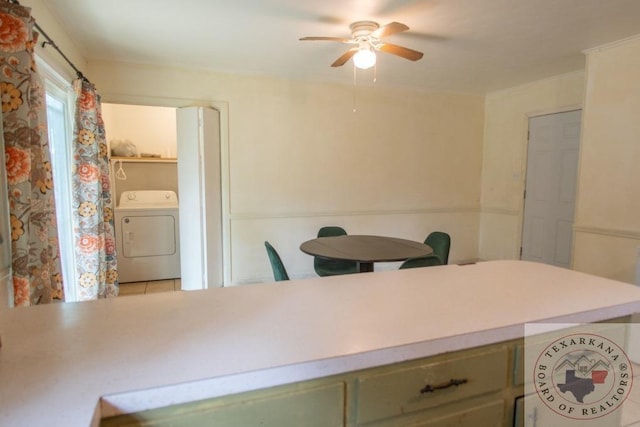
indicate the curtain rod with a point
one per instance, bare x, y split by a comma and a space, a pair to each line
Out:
50, 41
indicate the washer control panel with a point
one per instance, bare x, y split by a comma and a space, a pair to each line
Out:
148, 198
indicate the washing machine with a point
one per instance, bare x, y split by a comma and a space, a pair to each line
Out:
147, 236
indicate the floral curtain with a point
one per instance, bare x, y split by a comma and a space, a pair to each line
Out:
35, 253
93, 207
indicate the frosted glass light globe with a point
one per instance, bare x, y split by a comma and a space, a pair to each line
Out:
364, 58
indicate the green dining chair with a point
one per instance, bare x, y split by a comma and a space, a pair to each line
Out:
279, 272
423, 261
333, 267
440, 242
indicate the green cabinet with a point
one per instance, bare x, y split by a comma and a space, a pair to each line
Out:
294, 405
462, 389
395, 392
529, 409
488, 414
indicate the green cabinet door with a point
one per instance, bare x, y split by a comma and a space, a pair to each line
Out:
488, 415
293, 406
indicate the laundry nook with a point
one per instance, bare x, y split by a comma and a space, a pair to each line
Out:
145, 182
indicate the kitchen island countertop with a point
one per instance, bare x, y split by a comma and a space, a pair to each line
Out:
70, 364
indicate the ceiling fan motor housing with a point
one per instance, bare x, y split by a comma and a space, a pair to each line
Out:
362, 29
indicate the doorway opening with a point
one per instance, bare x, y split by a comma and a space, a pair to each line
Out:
144, 178
196, 177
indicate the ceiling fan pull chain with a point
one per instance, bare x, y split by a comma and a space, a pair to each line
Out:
354, 88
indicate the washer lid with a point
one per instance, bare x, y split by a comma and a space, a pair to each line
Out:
148, 198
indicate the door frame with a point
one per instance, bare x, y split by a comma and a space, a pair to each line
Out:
525, 166
223, 109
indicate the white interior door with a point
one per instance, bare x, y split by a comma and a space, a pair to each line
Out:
552, 168
200, 201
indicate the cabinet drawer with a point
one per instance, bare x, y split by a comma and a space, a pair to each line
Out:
488, 415
397, 392
321, 406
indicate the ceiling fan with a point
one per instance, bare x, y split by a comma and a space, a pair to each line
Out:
367, 36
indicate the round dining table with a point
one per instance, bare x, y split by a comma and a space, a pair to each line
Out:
365, 249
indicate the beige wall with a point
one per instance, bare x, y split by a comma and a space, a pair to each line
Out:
143, 175
404, 164
607, 226
608, 208
49, 24
507, 115
151, 129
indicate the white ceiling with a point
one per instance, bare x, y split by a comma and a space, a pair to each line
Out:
469, 45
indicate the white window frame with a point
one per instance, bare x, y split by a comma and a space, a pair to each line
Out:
6, 281
60, 89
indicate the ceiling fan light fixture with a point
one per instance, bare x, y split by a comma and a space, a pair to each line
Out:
368, 35
364, 58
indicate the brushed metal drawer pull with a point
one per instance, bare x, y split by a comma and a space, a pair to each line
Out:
452, 382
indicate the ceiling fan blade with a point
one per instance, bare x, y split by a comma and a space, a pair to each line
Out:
404, 52
389, 29
345, 57
331, 39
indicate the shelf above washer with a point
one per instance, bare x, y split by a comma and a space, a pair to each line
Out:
144, 159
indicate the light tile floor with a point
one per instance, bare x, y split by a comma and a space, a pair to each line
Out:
140, 288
